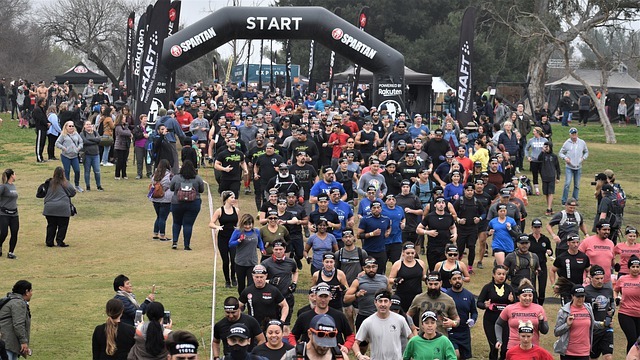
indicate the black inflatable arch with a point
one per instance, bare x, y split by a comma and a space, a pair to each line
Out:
316, 23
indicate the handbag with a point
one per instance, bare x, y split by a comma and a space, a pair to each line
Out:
72, 208
186, 192
156, 191
106, 140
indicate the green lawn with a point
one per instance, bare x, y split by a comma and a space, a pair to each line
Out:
112, 235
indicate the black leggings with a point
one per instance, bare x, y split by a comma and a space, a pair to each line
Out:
121, 162
536, 166
467, 240
631, 327
228, 258
488, 323
542, 283
6, 223
244, 277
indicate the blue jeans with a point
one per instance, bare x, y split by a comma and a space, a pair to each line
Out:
162, 213
184, 215
67, 164
13, 356
565, 118
105, 154
92, 161
568, 175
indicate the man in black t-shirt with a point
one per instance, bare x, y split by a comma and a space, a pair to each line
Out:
232, 167
572, 263
440, 229
233, 315
265, 168
263, 301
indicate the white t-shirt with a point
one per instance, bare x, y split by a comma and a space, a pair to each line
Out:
384, 335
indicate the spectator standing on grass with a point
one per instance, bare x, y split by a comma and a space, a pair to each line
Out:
52, 132
114, 338
41, 126
185, 203
70, 142
549, 173
90, 146
9, 220
173, 133
124, 292
57, 207
162, 205
140, 139
121, 146
15, 320
574, 152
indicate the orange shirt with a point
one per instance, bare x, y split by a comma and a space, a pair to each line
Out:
579, 336
630, 287
625, 251
600, 252
515, 313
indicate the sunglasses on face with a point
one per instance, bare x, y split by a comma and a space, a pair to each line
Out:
322, 333
452, 254
273, 218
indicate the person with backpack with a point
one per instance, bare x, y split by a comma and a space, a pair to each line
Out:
91, 148
15, 320
522, 263
610, 211
569, 221
185, 202
173, 132
470, 213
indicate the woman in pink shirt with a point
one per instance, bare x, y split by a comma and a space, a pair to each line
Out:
523, 310
626, 249
629, 311
574, 327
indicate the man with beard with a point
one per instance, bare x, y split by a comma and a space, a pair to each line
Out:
263, 301
601, 299
437, 301
350, 259
437, 148
345, 334
322, 342
470, 213
345, 214
440, 228
600, 249
323, 187
238, 341
569, 221
460, 335
306, 175
393, 243
485, 200
522, 263
306, 145
399, 134
256, 148
323, 212
264, 168
385, 330
412, 207
233, 316
373, 230
295, 230
232, 166
363, 289
282, 273
284, 182
368, 139
409, 168
347, 178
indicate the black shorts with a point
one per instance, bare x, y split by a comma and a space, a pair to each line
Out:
602, 343
359, 320
232, 185
548, 187
462, 342
482, 226
410, 236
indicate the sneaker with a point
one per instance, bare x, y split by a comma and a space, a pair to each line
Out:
11, 256
101, 164
247, 191
125, 178
138, 177
174, 246
517, 170
549, 212
234, 282
537, 192
187, 248
118, 178
227, 284
164, 239
480, 266
79, 189
471, 272
63, 245
108, 164
100, 188
155, 237
486, 253
88, 188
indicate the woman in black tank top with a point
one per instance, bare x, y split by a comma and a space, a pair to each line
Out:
227, 218
451, 264
407, 275
333, 277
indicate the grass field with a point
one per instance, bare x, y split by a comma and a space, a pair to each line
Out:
112, 235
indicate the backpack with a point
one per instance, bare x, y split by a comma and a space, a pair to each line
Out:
187, 192
156, 191
301, 351
615, 217
532, 271
428, 193
564, 217
43, 189
621, 197
4, 302
360, 257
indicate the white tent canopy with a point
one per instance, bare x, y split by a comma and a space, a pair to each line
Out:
439, 85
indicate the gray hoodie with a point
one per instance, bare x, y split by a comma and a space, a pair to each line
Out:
70, 144
577, 152
562, 330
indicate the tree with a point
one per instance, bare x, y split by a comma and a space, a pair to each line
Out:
93, 29
553, 25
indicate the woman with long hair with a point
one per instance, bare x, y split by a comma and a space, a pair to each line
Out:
121, 145
629, 312
227, 218
493, 298
113, 339
91, 147
162, 205
480, 153
574, 327
151, 335
70, 142
451, 264
523, 310
52, 132
502, 228
9, 212
185, 203
320, 242
407, 275
105, 128
627, 249
57, 207
245, 239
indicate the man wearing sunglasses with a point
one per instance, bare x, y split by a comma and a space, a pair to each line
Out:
322, 335
384, 330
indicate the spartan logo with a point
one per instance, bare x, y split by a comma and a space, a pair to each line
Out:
393, 107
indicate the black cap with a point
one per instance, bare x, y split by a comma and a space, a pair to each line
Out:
406, 182
239, 330
323, 196
523, 238
578, 290
536, 223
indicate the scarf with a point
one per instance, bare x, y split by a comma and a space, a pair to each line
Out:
129, 296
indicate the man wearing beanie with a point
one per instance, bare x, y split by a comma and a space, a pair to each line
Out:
602, 301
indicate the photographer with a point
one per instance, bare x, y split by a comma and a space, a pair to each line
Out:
609, 210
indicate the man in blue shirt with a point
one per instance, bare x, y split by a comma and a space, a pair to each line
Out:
324, 186
393, 243
460, 335
364, 207
373, 229
345, 214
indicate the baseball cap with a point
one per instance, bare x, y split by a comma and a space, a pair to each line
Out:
429, 315
607, 188
477, 164
523, 238
406, 182
239, 330
395, 303
323, 289
325, 330
505, 192
573, 131
259, 269
536, 223
323, 196
578, 290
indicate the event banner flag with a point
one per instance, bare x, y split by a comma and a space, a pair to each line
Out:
332, 61
157, 31
260, 65
174, 26
363, 19
312, 52
288, 62
139, 50
465, 68
130, 49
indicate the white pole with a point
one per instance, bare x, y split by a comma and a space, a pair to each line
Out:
214, 238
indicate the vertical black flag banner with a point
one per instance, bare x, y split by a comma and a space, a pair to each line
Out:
246, 73
465, 67
139, 50
332, 61
288, 64
272, 87
363, 19
260, 65
312, 54
156, 33
174, 26
130, 49
216, 74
